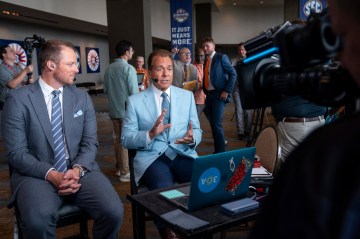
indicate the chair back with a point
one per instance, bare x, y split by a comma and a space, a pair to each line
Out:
133, 187
268, 149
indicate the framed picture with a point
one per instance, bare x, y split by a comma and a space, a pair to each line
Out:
92, 60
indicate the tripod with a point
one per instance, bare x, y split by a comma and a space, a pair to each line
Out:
256, 126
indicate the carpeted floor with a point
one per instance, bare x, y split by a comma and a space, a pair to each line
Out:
106, 160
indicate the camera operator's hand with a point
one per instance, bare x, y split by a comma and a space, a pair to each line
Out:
29, 69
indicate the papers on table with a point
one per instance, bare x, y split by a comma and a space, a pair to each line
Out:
260, 172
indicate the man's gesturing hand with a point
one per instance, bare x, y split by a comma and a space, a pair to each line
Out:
159, 127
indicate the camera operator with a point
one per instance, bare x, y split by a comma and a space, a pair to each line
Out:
296, 118
12, 76
308, 199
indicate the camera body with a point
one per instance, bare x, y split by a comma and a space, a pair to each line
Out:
293, 60
30, 43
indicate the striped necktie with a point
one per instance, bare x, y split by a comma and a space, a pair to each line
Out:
166, 105
57, 130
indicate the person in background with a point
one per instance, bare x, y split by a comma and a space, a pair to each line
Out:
184, 71
49, 130
139, 67
218, 83
199, 93
120, 81
243, 117
12, 76
318, 186
162, 125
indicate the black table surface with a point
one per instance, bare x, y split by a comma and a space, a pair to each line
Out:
153, 204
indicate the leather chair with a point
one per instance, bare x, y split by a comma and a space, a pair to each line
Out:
268, 149
68, 214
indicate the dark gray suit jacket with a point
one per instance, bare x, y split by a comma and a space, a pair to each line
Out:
26, 130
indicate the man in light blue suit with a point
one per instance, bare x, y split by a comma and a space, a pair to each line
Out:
157, 143
38, 184
161, 123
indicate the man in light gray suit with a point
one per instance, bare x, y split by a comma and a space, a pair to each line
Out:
165, 136
184, 71
39, 186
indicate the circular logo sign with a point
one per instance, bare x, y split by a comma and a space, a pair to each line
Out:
208, 180
93, 60
312, 6
181, 15
21, 57
77, 54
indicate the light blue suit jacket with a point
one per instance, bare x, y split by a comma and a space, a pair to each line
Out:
140, 117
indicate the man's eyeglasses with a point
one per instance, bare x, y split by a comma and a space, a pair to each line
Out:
185, 53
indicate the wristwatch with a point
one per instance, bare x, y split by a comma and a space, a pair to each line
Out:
82, 171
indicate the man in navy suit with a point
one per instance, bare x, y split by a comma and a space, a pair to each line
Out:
218, 83
39, 186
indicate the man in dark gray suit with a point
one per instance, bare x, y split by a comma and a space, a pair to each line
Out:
39, 186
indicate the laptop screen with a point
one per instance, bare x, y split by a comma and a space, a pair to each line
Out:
216, 178
221, 177
140, 77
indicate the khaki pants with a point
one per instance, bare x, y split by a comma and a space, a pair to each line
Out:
121, 154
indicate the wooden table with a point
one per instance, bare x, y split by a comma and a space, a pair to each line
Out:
152, 204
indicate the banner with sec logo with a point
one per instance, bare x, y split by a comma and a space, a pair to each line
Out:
181, 24
308, 6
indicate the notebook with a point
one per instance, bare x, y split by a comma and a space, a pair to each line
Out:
216, 178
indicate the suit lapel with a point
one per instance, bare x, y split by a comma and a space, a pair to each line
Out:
68, 112
150, 104
37, 100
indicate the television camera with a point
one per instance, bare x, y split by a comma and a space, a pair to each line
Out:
295, 59
29, 44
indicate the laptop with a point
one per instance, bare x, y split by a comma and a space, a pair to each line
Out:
140, 78
216, 178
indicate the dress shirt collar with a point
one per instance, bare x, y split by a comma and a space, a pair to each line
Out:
212, 54
158, 92
46, 89
120, 60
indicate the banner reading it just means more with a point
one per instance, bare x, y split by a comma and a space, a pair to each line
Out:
181, 24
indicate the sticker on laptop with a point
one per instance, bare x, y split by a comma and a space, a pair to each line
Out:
209, 179
238, 175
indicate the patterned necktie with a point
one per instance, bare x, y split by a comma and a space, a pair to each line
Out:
57, 130
185, 72
166, 105
170, 153
206, 73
